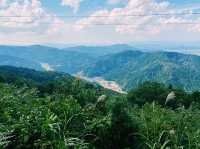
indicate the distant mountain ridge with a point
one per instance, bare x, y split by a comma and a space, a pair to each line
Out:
131, 68
18, 62
59, 60
123, 64
97, 51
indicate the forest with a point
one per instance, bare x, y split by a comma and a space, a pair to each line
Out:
48, 110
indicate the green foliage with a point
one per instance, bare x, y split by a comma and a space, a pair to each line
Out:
122, 126
164, 128
66, 112
119, 63
32, 56
131, 68
148, 92
4, 139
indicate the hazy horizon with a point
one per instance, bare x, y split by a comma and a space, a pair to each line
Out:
181, 47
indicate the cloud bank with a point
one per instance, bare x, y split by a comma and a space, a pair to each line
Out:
132, 18
32, 22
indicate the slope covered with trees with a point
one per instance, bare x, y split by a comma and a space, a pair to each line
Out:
18, 62
48, 83
131, 68
77, 114
57, 59
120, 63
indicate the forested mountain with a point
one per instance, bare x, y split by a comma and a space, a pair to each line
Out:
97, 51
10, 74
131, 68
18, 62
126, 65
60, 60
48, 83
70, 60
52, 110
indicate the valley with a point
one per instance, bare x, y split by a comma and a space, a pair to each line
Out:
112, 85
59, 108
120, 67
99, 74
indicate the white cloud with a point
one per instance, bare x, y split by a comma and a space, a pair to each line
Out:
45, 27
3, 3
26, 14
120, 15
36, 25
195, 27
75, 4
58, 28
28, 21
132, 24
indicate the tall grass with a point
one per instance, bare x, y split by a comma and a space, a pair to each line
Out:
164, 128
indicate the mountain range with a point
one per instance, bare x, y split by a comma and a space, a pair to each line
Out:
131, 68
126, 65
59, 60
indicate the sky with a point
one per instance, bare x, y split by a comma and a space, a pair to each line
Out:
98, 22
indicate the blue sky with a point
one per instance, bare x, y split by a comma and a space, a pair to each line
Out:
89, 6
43, 23
85, 7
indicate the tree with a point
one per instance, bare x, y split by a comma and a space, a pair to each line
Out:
147, 93
123, 128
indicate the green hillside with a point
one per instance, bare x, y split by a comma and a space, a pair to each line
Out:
19, 62
48, 83
52, 110
113, 63
59, 60
97, 51
131, 68
70, 60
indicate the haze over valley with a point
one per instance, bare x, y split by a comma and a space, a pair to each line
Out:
125, 65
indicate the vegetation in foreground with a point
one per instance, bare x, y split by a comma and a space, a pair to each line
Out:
64, 112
